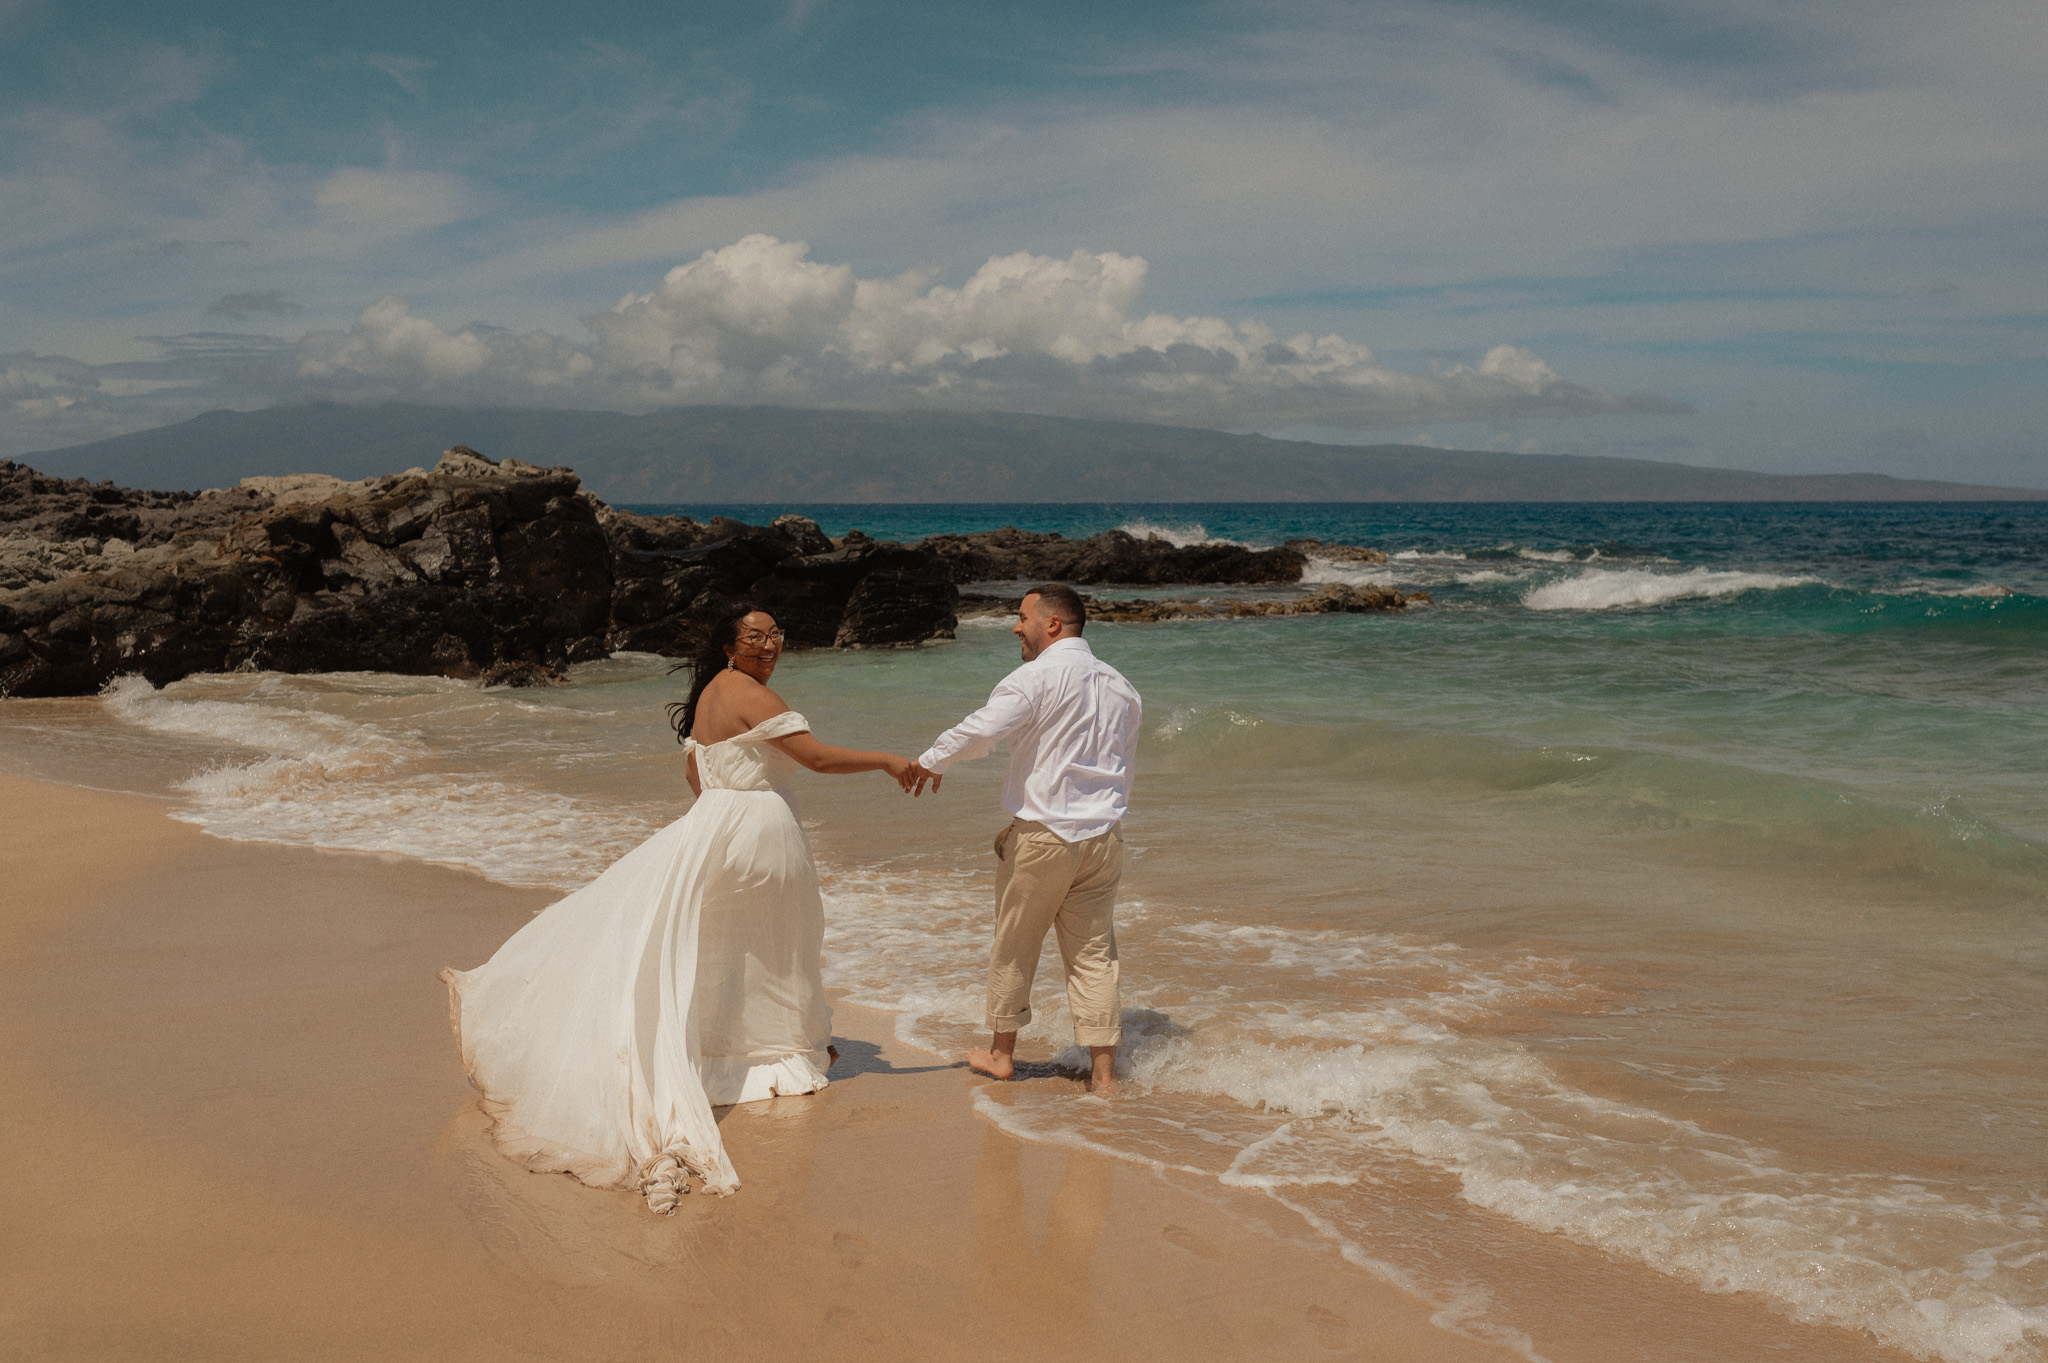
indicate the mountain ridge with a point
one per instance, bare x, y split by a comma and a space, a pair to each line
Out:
763, 455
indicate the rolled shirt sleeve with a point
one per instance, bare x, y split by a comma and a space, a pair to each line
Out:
1009, 709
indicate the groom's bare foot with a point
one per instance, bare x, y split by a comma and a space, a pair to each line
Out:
991, 1062
1102, 1071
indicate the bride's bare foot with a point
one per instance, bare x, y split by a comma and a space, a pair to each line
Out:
833, 1053
991, 1062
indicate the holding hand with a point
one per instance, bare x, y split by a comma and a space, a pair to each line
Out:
901, 770
920, 775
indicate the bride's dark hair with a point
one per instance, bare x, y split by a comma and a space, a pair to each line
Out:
707, 659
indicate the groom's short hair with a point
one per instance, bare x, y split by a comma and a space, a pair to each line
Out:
1064, 602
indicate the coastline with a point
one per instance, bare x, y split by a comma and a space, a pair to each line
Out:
243, 1129
239, 1129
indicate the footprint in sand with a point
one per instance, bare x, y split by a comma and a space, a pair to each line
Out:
852, 1250
1332, 1331
1191, 1241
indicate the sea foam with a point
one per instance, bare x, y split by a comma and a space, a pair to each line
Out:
1321, 570
322, 780
1337, 1052
1613, 588
1182, 535
1855, 1251
1303, 1064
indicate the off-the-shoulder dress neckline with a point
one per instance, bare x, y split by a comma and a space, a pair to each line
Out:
748, 734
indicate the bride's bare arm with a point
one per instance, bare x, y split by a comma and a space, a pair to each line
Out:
753, 704
690, 772
823, 757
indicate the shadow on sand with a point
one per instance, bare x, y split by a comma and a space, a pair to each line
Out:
865, 1057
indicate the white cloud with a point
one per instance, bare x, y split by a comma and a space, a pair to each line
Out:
382, 203
49, 400
1650, 193
1340, 146
390, 352
760, 321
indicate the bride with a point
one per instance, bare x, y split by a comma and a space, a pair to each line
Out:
686, 976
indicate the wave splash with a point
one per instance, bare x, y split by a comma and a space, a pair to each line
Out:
1617, 588
1322, 570
1181, 536
1343, 1058
324, 780
1318, 1065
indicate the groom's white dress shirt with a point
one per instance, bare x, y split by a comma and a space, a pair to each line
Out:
1071, 721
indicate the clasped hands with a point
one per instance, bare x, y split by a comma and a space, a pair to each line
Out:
913, 776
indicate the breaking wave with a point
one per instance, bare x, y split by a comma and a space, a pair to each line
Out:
1322, 570
1616, 588
318, 779
1181, 536
1342, 1057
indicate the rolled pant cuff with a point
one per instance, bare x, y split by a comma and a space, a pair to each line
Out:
1098, 1036
1009, 1022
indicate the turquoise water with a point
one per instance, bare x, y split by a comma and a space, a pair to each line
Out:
1881, 544
1895, 653
1676, 885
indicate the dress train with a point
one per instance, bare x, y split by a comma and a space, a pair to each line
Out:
687, 975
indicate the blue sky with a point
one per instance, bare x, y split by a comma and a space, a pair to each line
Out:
1792, 236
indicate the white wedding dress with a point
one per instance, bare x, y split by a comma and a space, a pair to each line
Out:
686, 976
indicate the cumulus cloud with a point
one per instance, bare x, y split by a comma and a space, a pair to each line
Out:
53, 400
759, 321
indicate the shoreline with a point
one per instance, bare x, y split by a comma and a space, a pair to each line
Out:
240, 1129
373, 927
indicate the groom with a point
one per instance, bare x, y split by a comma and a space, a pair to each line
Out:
1071, 721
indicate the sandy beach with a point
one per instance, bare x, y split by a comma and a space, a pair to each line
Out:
1497, 551
238, 1130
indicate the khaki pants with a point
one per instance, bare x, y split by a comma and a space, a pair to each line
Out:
1044, 881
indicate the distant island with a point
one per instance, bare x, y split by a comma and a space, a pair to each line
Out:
769, 455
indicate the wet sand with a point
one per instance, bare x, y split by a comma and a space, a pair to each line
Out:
236, 1128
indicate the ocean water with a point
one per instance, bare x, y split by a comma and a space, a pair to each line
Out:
1677, 885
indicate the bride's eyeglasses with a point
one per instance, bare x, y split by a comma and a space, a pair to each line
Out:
754, 638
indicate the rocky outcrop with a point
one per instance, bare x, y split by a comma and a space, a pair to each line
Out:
449, 572
26, 560
72, 509
1337, 553
901, 588
1114, 556
506, 572
671, 572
